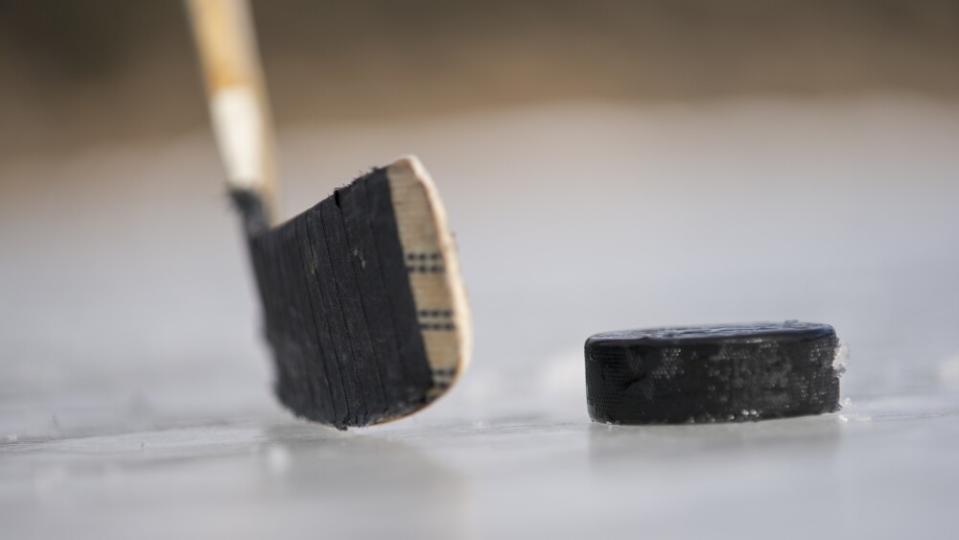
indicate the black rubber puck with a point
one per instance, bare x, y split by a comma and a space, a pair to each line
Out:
712, 373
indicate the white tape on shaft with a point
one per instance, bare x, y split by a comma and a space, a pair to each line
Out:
238, 126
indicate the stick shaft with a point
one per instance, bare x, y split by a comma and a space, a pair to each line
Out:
223, 30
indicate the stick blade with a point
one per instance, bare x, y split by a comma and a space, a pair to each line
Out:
364, 306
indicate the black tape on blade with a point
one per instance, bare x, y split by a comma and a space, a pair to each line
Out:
339, 311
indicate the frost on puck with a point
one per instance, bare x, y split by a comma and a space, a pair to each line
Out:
712, 373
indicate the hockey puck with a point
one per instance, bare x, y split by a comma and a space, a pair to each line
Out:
715, 373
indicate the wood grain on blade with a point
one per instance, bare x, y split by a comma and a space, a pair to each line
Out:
433, 266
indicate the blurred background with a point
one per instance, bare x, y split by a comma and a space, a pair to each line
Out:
605, 164
76, 74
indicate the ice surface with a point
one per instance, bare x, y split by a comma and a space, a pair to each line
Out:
144, 412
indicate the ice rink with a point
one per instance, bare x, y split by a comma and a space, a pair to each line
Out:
135, 393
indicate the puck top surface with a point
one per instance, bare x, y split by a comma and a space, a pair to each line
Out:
678, 335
